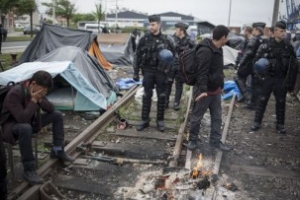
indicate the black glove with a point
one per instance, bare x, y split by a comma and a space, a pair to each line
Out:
136, 77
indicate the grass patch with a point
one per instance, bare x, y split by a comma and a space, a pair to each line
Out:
19, 38
6, 60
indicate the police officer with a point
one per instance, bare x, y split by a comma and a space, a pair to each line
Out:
154, 71
280, 78
245, 67
182, 42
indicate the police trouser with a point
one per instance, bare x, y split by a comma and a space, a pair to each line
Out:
3, 173
256, 89
269, 85
178, 87
244, 72
158, 80
213, 103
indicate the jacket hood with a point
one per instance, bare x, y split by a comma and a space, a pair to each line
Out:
208, 43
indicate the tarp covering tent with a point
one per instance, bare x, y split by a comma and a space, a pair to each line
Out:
117, 48
87, 65
86, 98
229, 55
52, 37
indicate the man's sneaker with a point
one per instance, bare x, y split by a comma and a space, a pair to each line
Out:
176, 106
280, 128
61, 155
192, 145
255, 126
220, 146
142, 126
32, 178
160, 126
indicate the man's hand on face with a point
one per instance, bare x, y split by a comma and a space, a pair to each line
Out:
37, 93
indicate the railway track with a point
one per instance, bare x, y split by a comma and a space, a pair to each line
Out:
125, 164
108, 158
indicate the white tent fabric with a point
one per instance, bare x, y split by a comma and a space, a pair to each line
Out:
65, 69
230, 55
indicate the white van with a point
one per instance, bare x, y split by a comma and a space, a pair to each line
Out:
93, 27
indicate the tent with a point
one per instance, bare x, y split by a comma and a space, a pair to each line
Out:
86, 96
117, 48
52, 37
229, 55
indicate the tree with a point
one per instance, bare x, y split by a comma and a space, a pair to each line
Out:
63, 8
98, 14
82, 17
5, 7
26, 7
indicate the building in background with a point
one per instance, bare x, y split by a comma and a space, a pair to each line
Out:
127, 19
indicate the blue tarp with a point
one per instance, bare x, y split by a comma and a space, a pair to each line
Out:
230, 88
127, 83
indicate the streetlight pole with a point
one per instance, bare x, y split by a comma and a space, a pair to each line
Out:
275, 12
229, 14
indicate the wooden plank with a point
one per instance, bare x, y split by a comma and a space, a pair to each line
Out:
188, 159
132, 150
82, 184
219, 155
144, 134
179, 140
153, 124
263, 171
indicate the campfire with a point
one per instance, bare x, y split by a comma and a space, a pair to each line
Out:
197, 168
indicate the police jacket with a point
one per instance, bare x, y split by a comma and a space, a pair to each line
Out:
210, 65
282, 60
146, 56
250, 51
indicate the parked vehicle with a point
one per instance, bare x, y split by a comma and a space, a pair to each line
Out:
35, 30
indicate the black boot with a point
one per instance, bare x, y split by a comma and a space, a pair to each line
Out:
30, 174
255, 126
176, 106
61, 155
280, 128
160, 126
220, 146
143, 125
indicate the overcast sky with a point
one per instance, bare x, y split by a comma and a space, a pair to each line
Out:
214, 11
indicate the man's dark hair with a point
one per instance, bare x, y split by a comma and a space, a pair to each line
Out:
249, 29
42, 78
219, 32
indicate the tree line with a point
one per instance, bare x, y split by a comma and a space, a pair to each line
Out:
63, 8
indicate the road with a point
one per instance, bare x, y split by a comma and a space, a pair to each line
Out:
9, 47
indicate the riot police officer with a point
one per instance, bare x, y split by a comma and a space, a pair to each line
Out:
182, 42
279, 77
151, 50
245, 67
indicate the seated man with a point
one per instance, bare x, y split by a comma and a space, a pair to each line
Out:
21, 118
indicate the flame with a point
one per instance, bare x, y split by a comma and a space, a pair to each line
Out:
197, 167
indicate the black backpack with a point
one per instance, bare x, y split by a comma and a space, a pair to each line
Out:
188, 65
3, 92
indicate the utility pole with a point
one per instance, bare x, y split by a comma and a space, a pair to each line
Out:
116, 15
229, 14
275, 12
53, 11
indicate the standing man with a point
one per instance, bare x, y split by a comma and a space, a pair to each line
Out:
182, 42
208, 88
280, 76
3, 173
21, 118
245, 67
154, 70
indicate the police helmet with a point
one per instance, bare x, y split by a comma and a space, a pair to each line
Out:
261, 66
166, 56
